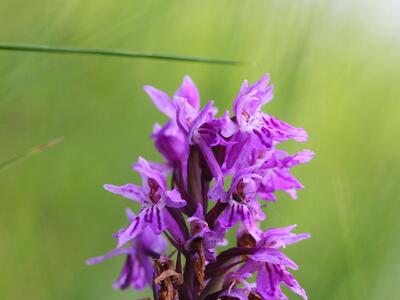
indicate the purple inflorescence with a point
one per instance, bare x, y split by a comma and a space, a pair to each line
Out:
219, 169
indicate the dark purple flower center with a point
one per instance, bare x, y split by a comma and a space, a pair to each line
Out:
196, 228
239, 194
154, 194
246, 240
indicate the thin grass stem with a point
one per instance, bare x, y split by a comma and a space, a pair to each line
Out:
21, 157
115, 53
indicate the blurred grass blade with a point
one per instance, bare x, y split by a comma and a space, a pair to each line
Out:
115, 53
29, 153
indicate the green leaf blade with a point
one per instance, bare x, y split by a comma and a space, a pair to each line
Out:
115, 53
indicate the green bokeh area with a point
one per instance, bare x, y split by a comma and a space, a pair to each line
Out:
335, 66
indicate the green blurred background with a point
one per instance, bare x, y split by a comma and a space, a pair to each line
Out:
336, 68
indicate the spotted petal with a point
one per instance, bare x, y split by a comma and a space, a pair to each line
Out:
234, 213
269, 279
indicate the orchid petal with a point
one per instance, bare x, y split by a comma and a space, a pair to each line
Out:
174, 199
161, 100
130, 191
112, 253
189, 91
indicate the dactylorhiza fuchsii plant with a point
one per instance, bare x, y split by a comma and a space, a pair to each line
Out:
220, 170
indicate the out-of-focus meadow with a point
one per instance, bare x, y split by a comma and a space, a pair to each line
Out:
336, 68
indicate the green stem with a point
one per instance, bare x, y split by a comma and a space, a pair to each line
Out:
114, 52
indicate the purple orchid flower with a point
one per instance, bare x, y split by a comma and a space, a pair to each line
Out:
154, 198
275, 174
255, 129
164, 103
169, 139
138, 269
202, 130
271, 265
201, 153
242, 201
